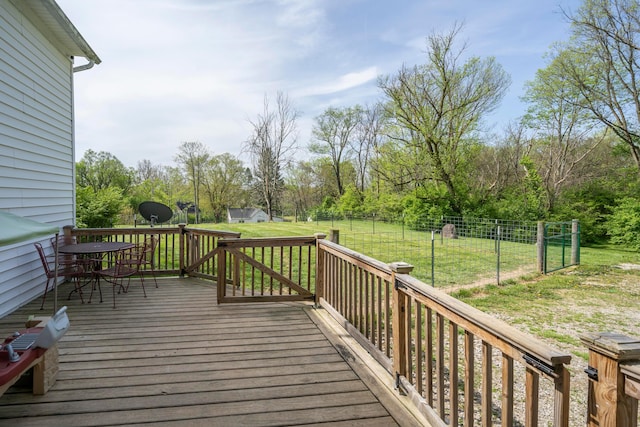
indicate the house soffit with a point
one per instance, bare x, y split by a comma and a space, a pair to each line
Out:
52, 21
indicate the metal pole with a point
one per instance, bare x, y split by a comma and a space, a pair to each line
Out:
403, 226
498, 257
433, 258
563, 231
55, 275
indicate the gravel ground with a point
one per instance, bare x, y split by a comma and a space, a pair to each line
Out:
603, 302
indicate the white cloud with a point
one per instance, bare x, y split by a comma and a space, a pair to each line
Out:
339, 83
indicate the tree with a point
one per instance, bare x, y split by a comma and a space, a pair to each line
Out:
563, 129
601, 62
304, 188
193, 157
442, 103
334, 132
368, 135
271, 147
223, 184
101, 171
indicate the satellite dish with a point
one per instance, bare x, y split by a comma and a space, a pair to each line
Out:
154, 212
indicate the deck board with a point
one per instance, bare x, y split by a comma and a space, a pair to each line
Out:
177, 358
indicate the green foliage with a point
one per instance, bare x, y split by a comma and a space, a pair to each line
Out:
98, 209
624, 224
351, 202
423, 204
103, 170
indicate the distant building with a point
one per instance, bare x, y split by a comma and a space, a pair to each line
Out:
239, 215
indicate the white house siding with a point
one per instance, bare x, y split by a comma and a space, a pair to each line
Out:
36, 149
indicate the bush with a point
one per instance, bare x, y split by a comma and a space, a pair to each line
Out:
98, 209
624, 224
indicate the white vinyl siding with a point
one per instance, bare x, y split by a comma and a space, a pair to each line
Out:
36, 148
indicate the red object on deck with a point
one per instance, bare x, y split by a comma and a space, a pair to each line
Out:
10, 370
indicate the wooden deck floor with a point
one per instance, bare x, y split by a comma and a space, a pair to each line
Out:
178, 358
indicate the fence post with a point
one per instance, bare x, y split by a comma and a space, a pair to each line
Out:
575, 242
400, 324
540, 246
319, 268
334, 236
607, 403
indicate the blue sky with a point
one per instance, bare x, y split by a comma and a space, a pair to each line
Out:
185, 70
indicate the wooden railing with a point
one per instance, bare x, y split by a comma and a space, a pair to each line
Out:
274, 269
402, 322
181, 250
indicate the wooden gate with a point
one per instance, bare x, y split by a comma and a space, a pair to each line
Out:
266, 269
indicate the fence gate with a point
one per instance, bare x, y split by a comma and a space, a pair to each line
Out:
561, 245
266, 269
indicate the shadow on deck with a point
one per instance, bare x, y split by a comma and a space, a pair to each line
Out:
178, 358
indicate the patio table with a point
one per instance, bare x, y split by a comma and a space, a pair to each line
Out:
94, 251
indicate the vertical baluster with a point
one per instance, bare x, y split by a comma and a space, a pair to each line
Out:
469, 387
419, 344
453, 373
428, 333
387, 318
532, 390
507, 390
440, 363
487, 381
280, 269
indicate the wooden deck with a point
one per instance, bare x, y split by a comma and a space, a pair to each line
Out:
178, 358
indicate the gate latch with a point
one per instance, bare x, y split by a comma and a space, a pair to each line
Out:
592, 373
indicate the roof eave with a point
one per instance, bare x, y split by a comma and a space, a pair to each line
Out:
66, 37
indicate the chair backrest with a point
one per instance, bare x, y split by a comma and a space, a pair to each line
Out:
128, 261
62, 240
43, 258
150, 245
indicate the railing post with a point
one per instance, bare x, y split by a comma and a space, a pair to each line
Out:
222, 271
319, 292
399, 325
607, 403
67, 233
540, 246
